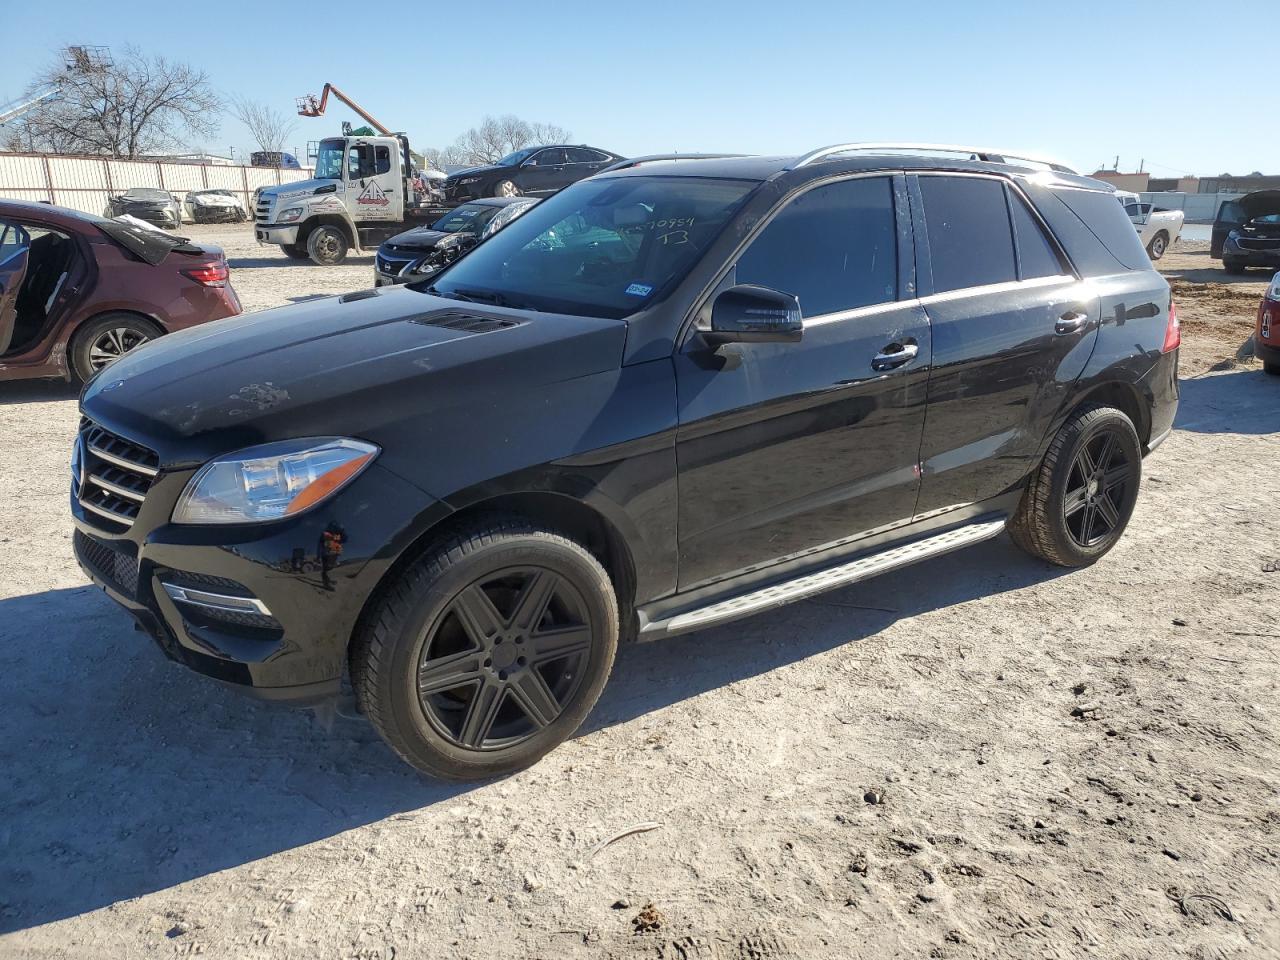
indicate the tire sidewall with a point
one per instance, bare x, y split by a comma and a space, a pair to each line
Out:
78, 356
499, 192
400, 682
1103, 420
313, 239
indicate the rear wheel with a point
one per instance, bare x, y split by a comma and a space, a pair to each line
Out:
1158, 245
489, 651
327, 245
1080, 498
103, 341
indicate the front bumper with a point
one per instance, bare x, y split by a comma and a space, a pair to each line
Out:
1252, 256
285, 236
310, 575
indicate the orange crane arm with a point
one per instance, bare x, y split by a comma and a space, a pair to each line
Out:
309, 106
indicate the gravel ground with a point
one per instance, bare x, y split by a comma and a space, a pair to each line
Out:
977, 757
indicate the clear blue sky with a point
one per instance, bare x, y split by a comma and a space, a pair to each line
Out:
1085, 81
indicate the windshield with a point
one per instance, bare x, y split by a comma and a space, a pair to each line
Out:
329, 160
143, 193
515, 159
468, 218
601, 248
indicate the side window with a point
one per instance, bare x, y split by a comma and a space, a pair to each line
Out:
547, 158
13, 240
970, 243
1036, 255
382, 160
835, 247
583, 155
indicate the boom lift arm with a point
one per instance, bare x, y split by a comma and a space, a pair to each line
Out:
310, 106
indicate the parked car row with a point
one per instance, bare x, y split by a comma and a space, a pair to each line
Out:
164, 209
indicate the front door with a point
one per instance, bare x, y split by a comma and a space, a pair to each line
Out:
787, 448
544, 172
373, 183
1012, 331
15, 246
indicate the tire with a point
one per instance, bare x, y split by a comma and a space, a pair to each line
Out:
1271, 368
436, 611
506, 188
327, 245
105, 339
295, 252
1158, 245
1234, 266
1067, 491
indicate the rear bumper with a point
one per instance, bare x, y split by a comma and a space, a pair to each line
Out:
1160, 385
1266, 352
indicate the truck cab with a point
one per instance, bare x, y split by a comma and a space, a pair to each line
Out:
362, 193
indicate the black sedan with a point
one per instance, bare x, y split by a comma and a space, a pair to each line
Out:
533, 171
422, 251
154, 206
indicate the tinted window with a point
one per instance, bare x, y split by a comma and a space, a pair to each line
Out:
835, 247
583, 155
547, 158
383, 162
1106, 220
970, 243
1036, 256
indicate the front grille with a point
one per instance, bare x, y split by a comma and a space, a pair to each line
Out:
114, 566
114, 475
1251, 243
262, 213
391, 265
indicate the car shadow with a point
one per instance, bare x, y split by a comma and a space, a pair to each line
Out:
47, 390
1243, 401
127, 774
245, 263
1212, 271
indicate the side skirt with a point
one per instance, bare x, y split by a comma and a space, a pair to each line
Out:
841, 574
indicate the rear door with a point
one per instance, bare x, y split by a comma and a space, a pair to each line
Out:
543, 173
15, 246
1012, 329
786, 448
583, 162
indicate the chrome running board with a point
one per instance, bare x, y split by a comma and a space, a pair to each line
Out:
862, 568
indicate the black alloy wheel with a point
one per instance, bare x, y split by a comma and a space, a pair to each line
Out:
1100, 475
505, 658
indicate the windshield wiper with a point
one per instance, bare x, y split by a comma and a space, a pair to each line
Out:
493, 297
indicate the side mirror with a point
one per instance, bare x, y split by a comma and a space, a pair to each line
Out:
749, 314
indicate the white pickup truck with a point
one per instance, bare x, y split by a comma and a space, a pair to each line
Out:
1157, 228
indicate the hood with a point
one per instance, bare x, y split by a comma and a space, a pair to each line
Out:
359, 365
420, 238
478, 171
298, 188
212, 200
153, 203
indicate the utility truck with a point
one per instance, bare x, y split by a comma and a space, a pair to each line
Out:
365, 190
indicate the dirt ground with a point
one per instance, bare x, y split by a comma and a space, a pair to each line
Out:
978, 757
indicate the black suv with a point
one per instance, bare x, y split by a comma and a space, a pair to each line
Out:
674, 394
533, 171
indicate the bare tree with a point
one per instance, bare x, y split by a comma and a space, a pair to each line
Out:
494, 137
128, 107
269, 127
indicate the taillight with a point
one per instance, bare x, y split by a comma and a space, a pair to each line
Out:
1172, 332
1264, 320
211, 274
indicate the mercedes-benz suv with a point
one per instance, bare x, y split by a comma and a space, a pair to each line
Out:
680, 392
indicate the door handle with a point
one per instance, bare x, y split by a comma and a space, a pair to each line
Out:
1071, 322
888, 358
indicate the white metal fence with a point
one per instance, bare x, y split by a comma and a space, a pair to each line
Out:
1197, 207
85, 183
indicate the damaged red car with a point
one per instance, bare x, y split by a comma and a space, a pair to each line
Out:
77, 291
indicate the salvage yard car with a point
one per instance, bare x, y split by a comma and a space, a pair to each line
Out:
154, 206
422, 251
78, 292
215, 206
1266, 338
534, 171
1246, 232
675, 394
1157, 227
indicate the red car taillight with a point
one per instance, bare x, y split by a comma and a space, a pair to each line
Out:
1268, 311
1172, 332
211, 274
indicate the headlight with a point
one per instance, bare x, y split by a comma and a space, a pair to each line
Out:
466, 180
272, 481
290, 215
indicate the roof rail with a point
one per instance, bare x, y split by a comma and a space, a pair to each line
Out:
988, 154
654, 158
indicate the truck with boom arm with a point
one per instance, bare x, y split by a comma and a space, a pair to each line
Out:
365, 190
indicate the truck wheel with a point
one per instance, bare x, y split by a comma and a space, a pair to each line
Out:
1158, 245
1234, 266
295, 252
505, 188
489, 651
103, 341
1080, 498
327, 246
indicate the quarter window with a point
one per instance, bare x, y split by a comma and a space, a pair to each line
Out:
970, 241
1036, 255
834, 247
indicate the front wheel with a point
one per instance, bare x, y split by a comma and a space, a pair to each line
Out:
489, 651
506, 188
103, 341
1082, 494
327, 246
1158, 245
295, 252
